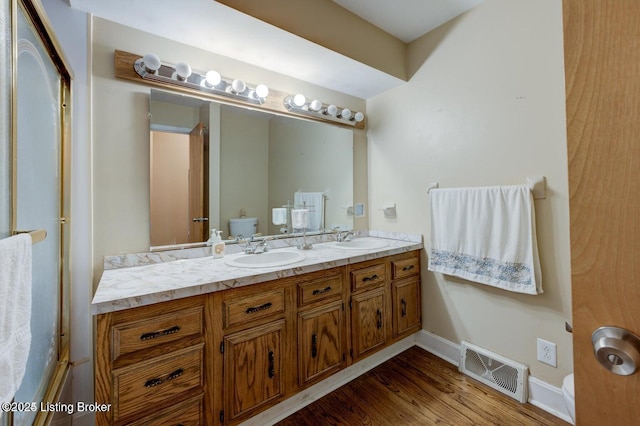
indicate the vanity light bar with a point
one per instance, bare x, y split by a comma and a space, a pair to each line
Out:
150, 68
298, 104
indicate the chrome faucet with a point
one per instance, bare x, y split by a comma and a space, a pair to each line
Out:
261, 247
344, 236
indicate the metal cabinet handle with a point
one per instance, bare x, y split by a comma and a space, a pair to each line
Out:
158, 380
321, 290
379, 315
272, 365
314, 345
370, 278
404, 307
408, 268
156, 334
255, 309
617, 350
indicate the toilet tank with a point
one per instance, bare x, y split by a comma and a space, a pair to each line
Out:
243, 226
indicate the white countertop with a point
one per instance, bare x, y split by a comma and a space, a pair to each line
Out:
135, 286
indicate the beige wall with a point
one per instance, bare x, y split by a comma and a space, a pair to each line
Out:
245, 149
484, 106
120, 133
318, 160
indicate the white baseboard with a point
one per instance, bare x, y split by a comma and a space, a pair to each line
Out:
541, 394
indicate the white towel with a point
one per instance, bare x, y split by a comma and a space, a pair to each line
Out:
314, 202
15, 312
300, 218
279, 216
486, 235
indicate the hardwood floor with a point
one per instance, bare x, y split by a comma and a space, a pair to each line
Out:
418, 388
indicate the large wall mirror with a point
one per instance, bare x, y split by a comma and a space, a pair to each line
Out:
212, 164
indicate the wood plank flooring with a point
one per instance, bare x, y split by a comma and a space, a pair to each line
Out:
418, 388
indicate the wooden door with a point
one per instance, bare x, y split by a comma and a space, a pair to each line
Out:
406, 306
198, 225
252, 369
368, 322
320, 342
602, 67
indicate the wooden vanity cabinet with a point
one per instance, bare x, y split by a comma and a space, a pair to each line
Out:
150, 364
322, 329
255, 364
221, 358
369, 305
405, 288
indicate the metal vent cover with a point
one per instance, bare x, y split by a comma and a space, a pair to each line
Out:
502, 374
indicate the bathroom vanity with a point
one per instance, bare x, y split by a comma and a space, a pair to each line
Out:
199, 341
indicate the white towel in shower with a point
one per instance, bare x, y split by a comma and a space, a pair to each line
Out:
486, 235
15, 312
314, 202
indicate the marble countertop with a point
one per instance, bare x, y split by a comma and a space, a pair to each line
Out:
130, 287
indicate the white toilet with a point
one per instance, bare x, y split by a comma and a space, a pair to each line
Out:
568, 392
246, 226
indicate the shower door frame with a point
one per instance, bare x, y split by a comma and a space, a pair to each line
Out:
34, 12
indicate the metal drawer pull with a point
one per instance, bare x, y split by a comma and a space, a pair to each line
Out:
370, 278
272, 366
379, 314
314, 345
408, 268
255, 309
158, 381
321, 290
404, 307
156, 334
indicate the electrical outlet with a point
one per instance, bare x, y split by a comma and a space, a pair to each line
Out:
547, 352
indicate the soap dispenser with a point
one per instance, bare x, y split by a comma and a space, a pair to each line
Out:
212, 237
218, 248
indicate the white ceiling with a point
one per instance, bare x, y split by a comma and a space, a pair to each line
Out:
214, 27
407, 19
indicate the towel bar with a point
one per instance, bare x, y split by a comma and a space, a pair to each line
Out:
538, 185
36, 235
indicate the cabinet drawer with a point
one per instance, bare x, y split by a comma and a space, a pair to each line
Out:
253, 307
155, 382
142, 334
405, 267
369, 277
325, 288
188, 413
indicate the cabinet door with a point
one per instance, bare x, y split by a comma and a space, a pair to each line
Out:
253, 368
406, 306
320, 342
368, 322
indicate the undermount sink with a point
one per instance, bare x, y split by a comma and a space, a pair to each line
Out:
269, 259
361, 244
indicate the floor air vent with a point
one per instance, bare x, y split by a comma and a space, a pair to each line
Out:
504, 375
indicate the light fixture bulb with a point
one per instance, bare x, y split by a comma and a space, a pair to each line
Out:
359, 117
262, 91
213, 78
238, 85
151, 62
346, 113
183, 70
299, 100
315, 105
332, 110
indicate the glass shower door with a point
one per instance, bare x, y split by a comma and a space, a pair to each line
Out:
38, 198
